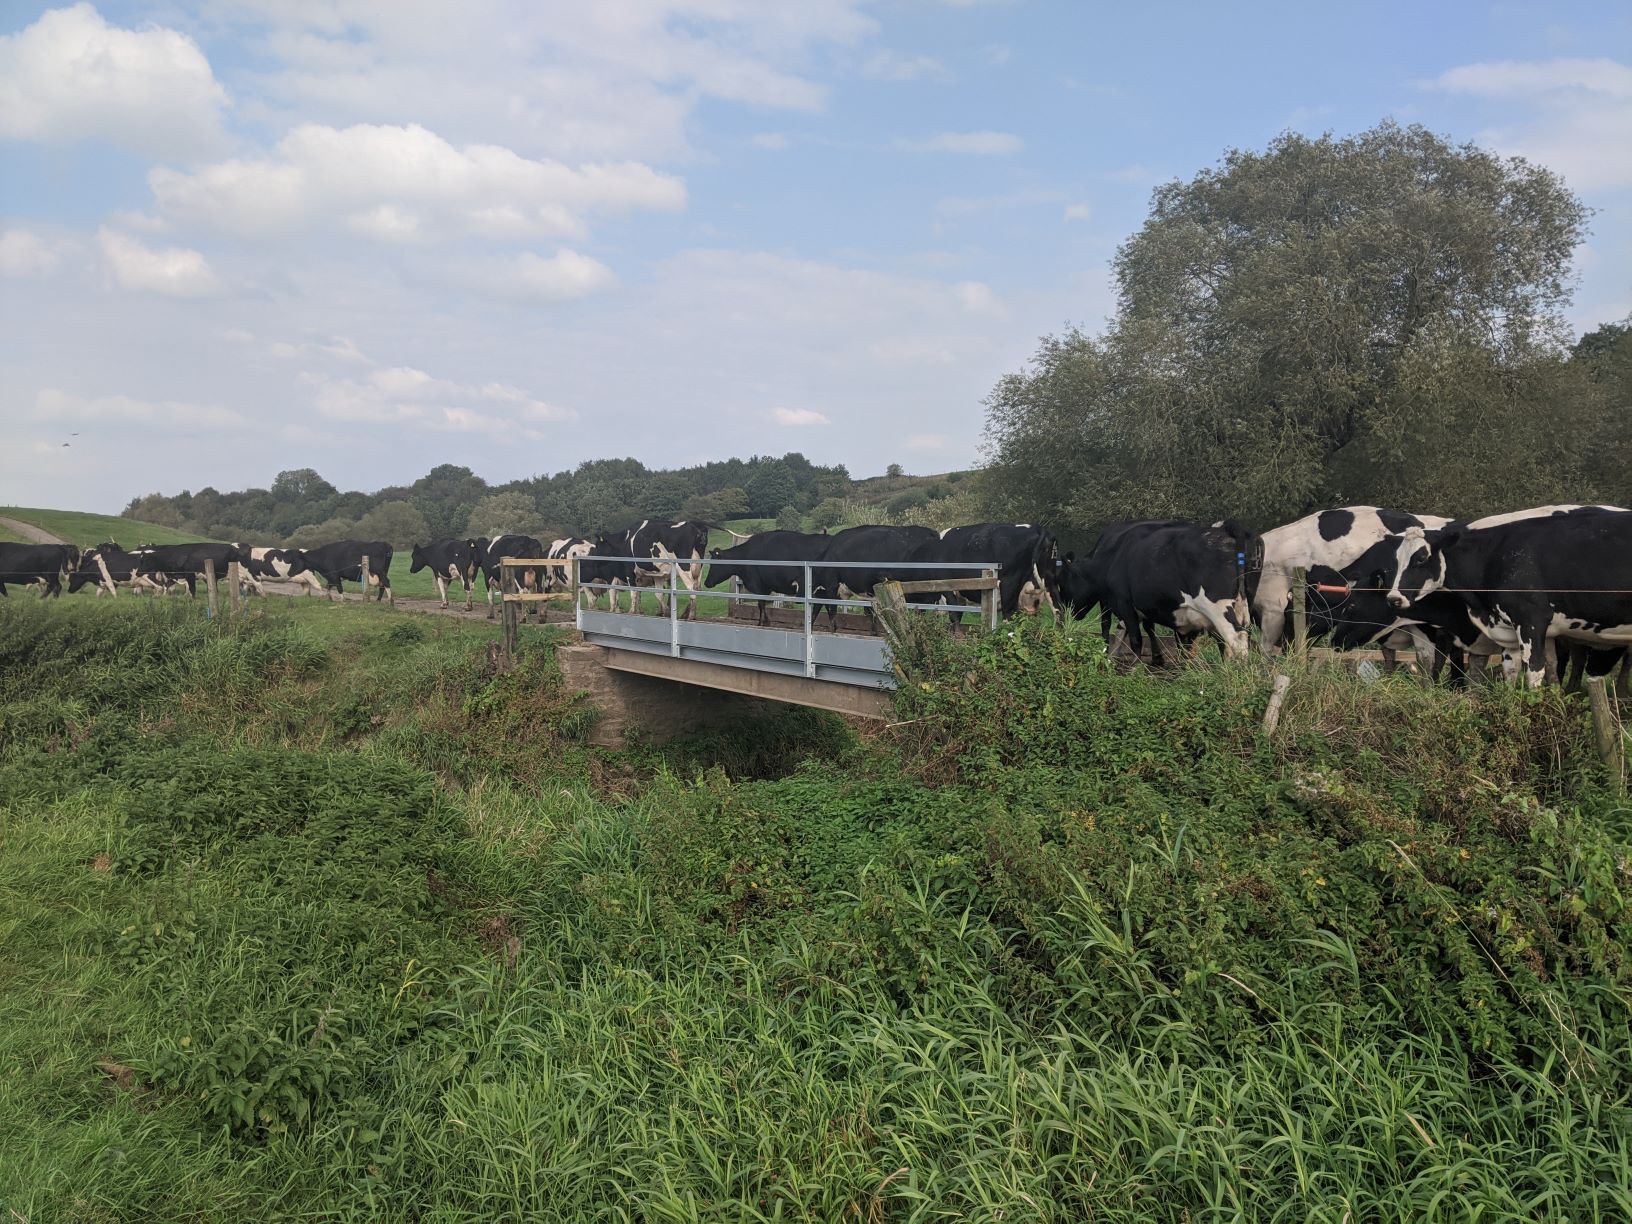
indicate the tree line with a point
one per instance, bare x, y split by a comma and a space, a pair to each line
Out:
1376, 319
303, 509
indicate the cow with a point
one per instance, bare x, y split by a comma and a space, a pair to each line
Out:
1332, 538
725, 564
495, 550
882, 545
601, 565
1025, 556
27, 564
185, 562
343, 560
1190, 578
284, 564
1084, 581
568, 548
108, 566
684, 545
1567, 575
449, 561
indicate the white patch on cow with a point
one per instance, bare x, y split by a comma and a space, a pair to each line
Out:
1200, 614
1535, 512
107, 578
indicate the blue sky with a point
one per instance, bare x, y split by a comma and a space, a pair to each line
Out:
369, 236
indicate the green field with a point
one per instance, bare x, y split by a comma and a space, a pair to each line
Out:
88, 529
313, 913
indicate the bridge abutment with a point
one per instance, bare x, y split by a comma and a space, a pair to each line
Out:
654, 709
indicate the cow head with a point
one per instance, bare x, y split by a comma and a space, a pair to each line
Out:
419, 561
295, 559
1418, 568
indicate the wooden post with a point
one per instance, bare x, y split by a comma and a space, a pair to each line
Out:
1607, 729
509, 620
1272, 715
365, 579
1300, 610
988, 605
209, 585
235, 596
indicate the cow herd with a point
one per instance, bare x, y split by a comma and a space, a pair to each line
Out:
1540, 587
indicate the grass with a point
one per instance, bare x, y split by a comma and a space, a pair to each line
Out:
85, 530
317, 915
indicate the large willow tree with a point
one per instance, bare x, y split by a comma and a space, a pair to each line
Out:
1327, 321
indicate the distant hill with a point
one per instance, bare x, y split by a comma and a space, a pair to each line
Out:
88, 529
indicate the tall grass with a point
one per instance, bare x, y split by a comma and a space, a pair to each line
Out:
1063, 945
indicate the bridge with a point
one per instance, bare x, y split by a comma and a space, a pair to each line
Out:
803, 664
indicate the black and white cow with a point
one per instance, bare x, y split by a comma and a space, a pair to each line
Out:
725, 564
496, 549
450, 561
882, 547
1085, 581
285, 564
1026, 557
342, 561
1190, 578
567, 548
27, 564
602, 565
1333, 538
1524, 581
684, 545
185, 562
108, 567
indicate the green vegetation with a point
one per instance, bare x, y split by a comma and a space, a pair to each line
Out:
88, 529
320, 915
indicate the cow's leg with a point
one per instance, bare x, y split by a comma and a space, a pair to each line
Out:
1157, 658
1274, 590
1623, 686
441, 589
1533, 654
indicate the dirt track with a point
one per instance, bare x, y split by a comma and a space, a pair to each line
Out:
29, 532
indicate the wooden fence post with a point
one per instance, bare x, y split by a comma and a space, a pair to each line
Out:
235, 580
508, 620
1300, 610
365, 579
209, 585
1606, 727
1272, 714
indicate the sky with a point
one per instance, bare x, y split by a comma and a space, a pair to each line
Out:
372, 236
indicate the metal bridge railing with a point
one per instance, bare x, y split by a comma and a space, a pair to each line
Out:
738, 649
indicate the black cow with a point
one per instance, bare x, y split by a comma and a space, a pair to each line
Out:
880, 544
1026, 558
26, 564
1566, 575
600, 566
496, 550
767, 580
342, 561
450, 561
1084, 582
1190, 578
185, 562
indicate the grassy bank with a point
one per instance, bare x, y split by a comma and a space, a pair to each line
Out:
323, 916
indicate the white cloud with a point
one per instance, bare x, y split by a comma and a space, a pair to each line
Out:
71, 76
1078, 212
889, 66
988, 144
770, 140
405, 396
62, 407
404, 183
25, 254
1573, 115
172, 271
978, 299
796, 417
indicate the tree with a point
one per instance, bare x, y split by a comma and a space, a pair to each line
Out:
503, 514
1281, 321
789, 519
771, 487
716, 507
894, 471
397, 523
301, 484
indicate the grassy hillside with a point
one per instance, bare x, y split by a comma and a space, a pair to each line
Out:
319, 915
87, 529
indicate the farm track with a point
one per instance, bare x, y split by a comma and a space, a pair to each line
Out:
29, 532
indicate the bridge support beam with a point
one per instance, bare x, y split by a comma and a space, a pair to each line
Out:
659, 697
